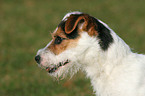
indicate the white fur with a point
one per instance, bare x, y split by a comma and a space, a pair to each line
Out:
68, 14
115, 72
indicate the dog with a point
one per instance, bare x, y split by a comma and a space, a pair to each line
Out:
82, 42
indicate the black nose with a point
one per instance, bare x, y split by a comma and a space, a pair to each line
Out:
37, 59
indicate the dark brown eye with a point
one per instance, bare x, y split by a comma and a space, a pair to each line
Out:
58, 40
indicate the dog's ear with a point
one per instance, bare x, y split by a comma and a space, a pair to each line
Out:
89, 24
72, 23
92, 26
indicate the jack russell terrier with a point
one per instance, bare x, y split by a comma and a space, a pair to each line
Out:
83, 42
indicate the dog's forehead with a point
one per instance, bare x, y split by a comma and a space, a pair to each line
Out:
59, 32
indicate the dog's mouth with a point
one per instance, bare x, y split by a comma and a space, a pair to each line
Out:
56, 67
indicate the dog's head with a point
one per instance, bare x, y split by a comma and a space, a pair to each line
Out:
74, 40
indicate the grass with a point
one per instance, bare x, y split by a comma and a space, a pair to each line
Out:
25, 26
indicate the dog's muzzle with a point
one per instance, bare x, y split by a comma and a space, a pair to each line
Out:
52, 68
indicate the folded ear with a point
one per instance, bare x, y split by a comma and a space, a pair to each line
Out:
88, 26
72, 23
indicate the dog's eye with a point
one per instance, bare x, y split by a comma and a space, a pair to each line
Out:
58, 40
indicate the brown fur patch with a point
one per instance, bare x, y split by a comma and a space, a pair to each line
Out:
89, 26
65, 44
72, 22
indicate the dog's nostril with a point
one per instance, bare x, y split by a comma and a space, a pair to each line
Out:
37, 59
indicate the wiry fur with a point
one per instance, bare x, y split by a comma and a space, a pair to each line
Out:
116, 71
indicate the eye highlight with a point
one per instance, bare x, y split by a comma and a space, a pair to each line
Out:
58, 40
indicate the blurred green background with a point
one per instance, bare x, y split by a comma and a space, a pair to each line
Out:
25, 27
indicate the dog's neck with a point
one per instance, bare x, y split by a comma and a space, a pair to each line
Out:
99, 64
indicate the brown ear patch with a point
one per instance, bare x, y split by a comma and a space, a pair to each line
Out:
72, 23
89, 24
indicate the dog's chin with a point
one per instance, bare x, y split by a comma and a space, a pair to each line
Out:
63, 69
56, 67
